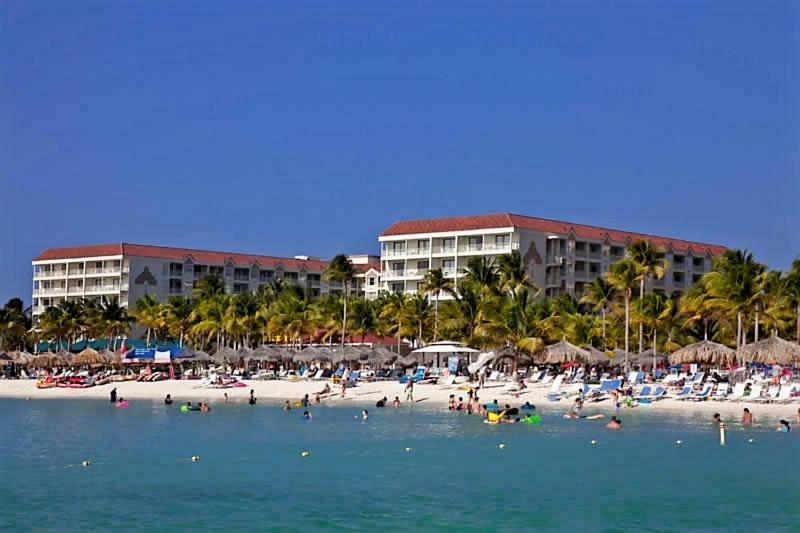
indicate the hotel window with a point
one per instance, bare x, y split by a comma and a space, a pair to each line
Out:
314, 278
448, 266
239, 288
502, 241
617, 251
265, 275
449, 244
474, 243
396, 287
422, 246
678, 260
290, 275
398, 247
176, 269
215, 271
422, 265
699, 262
371, 281
175, 286
241, 274
696, 278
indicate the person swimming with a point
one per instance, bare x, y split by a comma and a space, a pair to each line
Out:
396, 401
306, 415
287, 406
575, 410
460, 404
113, 395
528, 406
381, 403
204, 408
614, 423
364, 415
747, 417
716, 419
783, 426
168, 400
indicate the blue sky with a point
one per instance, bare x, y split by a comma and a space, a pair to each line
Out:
284, 128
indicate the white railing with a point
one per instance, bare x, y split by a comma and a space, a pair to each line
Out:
444, 249
94, 271
417, 252
395, 274
50, 274
394, 253
416, 272
555, 260
50, 290
101, 288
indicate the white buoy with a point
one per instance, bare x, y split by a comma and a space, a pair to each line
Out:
305, 453
408, 449
594, 441
501, 445
679, 442
195, 458
751, 441
722, 434
86, 463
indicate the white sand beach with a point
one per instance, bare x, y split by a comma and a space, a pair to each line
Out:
368, 393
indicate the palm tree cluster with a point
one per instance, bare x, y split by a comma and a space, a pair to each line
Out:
492, 304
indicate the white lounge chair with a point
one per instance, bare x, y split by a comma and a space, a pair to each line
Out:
755, 393
772, 394
737, 394
722, 392
785, 395
555, 393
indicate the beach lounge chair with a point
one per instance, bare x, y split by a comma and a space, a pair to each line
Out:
737, 394
755, 393
555, 394
685, 393
536, 377
417, 376
547, 379
703, 394
772, 394
634, 378
722, 392
494, 376
785, 395
659, 393
644, 394
449, 380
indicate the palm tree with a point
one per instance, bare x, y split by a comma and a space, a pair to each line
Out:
417, 311
178, 316
650, 263
362, 318
434, 284
392, 311
791, 294
651, 310
115, 319
293, 318
149, 314
341, 269
732, 285
599, 294
482, 271
624, 275
511, 321
13, 323
208, 319
209, 286
512, 273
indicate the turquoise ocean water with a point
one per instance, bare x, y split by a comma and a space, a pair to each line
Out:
251, 475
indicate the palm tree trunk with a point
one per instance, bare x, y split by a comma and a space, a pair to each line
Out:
344, 320
180, 342
798, 323
641, 323
436, 318
604, 327
756, 332
655, 333
148, 338
627, 328
739, 334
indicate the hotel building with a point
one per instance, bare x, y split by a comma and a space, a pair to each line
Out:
126, 272
561, 257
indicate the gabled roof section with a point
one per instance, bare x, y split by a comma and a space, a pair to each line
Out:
178, 255
544, 225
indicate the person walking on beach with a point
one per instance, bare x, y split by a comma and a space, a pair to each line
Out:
410, 391
481, 377
747, 417
344, 388
114, 395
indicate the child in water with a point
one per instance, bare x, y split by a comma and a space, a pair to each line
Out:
306, 415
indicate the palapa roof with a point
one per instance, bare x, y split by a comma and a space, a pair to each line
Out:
705, 351
564, 351
772, 350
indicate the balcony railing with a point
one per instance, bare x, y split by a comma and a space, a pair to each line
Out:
417, 252
94, 289
412, 272
50, 291
50, 274
394, 253
101, 271
394, 274
444, 249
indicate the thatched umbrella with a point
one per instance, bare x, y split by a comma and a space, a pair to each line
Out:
564, 351
409, 360
22, 358
225, 354
304, 356
648, 358
772, 350
381, 356
704, 351
244, 353
46, 359
5, 356
89, 356
264, 353
599, 357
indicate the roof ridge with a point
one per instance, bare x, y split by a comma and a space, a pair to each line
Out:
622, 230
221, 252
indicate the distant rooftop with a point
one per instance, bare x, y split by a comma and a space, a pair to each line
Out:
177, 254
510, 220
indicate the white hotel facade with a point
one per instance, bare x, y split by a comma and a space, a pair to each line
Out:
125, 272
561, 257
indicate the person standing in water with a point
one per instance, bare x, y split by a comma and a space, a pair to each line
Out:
364, 415
615, 423
252, 400
168, 400
747, 417
114, 395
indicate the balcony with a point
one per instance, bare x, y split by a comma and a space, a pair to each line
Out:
416, 272
98, 289
449, 250
555, 260
50, 291
50, 274
76, 273
394, 253
394, 274
110, 271
418, 252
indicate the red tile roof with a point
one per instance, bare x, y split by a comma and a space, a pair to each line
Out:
177, 254
363, 268
510, 220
